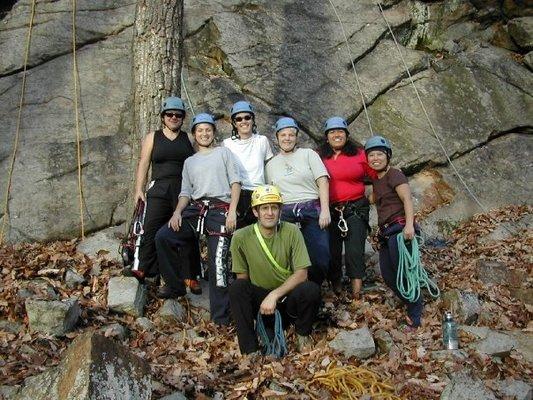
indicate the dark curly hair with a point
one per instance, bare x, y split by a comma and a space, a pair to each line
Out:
351, 148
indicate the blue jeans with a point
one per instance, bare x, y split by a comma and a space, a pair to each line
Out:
305, 215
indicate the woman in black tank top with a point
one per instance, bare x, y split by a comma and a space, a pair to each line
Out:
165, 150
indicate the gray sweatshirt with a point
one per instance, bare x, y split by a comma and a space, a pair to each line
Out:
210, 175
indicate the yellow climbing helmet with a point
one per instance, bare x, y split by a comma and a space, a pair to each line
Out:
266, 194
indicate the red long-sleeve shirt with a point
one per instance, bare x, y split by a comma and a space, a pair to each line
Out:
347, 175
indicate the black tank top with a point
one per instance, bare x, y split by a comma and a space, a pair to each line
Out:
168, 155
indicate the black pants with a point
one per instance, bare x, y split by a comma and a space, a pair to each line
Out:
300, 307
388, 265
356, 216
169, 243
161, 202
244, 209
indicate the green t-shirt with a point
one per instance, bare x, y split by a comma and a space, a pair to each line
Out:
287, 247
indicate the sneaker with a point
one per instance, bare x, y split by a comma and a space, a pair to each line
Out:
166, 292
303, 343
194, 286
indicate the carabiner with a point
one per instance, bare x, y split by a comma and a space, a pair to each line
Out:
342, 225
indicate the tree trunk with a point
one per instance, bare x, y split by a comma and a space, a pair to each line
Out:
156, 60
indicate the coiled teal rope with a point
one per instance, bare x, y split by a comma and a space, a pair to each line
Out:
277, 347
412, 276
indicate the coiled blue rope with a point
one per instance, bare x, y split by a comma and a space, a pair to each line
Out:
278, 346
412, 276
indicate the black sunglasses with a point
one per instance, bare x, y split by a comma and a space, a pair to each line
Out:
175, 115
246, 118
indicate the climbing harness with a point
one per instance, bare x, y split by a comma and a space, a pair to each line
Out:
351, 382
285, 273
411, 276
342, 225
129, 248
19, 120
276, 347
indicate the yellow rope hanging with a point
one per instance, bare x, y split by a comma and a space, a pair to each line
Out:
351, 383
19, 118
77, 118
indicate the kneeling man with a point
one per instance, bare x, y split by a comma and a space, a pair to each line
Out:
271, 261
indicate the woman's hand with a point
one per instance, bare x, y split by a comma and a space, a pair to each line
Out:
324, 219
139, 195
175, 221
231, 221
408, 232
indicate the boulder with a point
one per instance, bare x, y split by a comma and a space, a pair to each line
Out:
464, 387
514, 389
521, 30
144, 323
465, 306
383, 340
126, 295
93, 367
73, 279
171, 311
496, 344
114, 330
52, 317
103, 243
10, 326
358, 343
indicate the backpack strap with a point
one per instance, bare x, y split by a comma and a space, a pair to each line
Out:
284, 272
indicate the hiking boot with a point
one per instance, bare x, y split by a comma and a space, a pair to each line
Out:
194, 286
166, 292
303, 343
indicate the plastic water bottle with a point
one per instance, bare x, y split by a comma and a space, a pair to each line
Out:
450, 340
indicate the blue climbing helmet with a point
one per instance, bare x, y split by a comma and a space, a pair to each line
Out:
285, 122
172, 103
378, 143
202, 118
242, 106
335, 123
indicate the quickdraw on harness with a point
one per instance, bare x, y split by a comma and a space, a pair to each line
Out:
342, 225
129, 248
204, 205
412, 276
276, 347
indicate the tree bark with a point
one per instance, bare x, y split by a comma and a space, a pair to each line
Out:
157, 53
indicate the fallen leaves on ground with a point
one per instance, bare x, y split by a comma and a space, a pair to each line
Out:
201, 359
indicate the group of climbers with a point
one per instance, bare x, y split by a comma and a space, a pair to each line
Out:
293, 213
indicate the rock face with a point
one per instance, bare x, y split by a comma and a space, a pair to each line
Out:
44, 194
94, 368
469, 60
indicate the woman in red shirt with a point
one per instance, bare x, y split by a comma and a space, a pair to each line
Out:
347, 166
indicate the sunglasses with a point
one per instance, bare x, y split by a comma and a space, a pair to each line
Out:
175, 115
245, 118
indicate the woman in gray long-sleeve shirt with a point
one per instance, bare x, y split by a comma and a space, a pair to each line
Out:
210, 191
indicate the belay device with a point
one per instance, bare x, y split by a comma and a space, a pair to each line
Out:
129, 248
